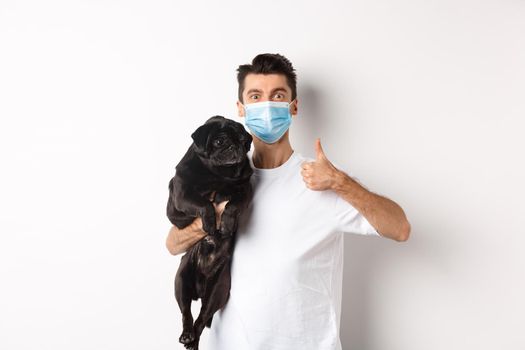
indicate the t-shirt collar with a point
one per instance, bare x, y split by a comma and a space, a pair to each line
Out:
283, 168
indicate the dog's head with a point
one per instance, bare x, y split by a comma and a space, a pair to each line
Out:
221, 142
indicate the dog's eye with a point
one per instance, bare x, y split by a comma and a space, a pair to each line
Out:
217, 142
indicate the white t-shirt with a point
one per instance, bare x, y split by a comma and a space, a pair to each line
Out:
287, 266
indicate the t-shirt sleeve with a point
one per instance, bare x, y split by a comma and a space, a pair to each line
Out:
349, 219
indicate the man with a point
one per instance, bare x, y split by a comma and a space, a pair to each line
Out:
287, 265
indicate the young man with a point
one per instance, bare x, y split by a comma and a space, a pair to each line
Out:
287, 266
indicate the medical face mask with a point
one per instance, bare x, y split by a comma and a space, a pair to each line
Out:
268, 120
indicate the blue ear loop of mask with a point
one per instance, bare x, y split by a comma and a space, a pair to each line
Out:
268, 120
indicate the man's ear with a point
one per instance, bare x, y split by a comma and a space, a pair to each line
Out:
240, 109
295, 107
200, 137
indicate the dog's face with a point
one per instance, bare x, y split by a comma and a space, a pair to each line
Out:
221, 142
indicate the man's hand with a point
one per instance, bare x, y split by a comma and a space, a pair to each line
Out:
387, 217
219, 208
320, 174
180, 240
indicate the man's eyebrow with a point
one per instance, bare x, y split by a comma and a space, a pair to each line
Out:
279, 89
274, 90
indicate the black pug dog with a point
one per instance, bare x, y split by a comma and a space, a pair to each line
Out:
215, 168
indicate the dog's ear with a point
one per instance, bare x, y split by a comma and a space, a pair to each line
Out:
200, 137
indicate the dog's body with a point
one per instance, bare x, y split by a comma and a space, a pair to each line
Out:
215, 165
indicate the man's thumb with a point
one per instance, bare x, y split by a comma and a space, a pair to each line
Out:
319, 150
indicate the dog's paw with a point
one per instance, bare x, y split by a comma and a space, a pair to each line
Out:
208, 219
208, 227
194, 345
187, 338
224, 235
228, 228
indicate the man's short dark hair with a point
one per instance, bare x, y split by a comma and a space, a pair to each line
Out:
268, 63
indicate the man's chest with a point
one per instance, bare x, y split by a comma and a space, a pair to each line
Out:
285, 212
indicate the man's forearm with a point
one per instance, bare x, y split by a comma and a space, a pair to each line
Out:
387, 217
180, 240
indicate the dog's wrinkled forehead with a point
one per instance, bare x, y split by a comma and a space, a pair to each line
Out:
220, 125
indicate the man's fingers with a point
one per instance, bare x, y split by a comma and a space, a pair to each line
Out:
306, 165
319, 150
219, 208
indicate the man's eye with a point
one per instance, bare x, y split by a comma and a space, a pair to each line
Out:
254, 97
279, 96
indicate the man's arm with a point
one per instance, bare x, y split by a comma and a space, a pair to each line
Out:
180, 240
387, 217
384, 214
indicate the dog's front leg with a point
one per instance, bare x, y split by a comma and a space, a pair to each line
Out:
236, 205
195, 205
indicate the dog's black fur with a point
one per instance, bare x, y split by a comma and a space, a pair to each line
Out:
216, 165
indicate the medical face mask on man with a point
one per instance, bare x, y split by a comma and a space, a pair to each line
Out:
268, 120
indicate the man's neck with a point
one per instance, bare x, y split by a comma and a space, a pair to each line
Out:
267, 156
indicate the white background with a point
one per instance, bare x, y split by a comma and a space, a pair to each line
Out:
423, 101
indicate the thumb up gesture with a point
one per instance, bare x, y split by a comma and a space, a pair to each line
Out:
320, 174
